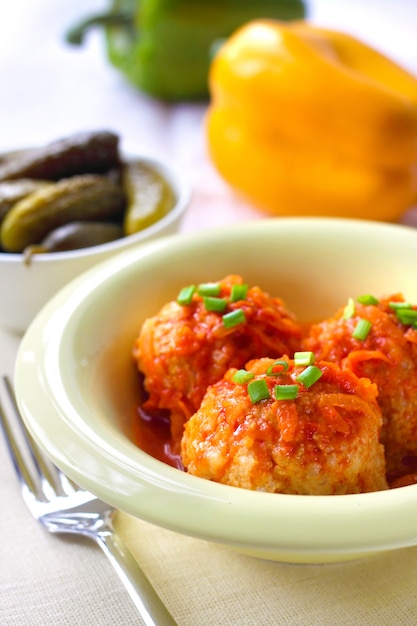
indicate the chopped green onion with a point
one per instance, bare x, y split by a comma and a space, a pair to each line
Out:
285, 392
214, 304
362, 329
399, 305
234, 318
242, 376
209, 289
407, 316
185, 296
258, 390
349, 310
239, 292
283, 365
309, 376
405, 312
304, 358
367, 299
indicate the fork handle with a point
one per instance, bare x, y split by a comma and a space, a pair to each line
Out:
149, 604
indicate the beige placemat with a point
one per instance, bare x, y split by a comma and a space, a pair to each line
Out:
210, 585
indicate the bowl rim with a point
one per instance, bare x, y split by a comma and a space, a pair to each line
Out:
144, 487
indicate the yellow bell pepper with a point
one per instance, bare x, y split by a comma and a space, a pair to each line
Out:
309, 121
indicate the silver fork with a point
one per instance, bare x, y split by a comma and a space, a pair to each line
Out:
63, 507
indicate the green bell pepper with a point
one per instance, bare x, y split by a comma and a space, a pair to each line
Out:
164, 47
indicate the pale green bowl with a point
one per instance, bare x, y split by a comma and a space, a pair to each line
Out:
74, 376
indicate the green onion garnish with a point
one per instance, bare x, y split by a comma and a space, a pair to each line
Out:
362, 329
185, 296
209, 289
285, 392
239, 292
367, 299
309, 376
214, 304
258, 390
407, 316
281, 364
242, 376
234, 318
349, 310
399, 305
304, 358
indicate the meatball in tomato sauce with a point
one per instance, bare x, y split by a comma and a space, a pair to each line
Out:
192, 342
286, 428
385, 352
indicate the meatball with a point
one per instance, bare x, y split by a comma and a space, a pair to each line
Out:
387, 355
323, 441
185, 348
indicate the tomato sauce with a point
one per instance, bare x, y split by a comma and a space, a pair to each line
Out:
151, 432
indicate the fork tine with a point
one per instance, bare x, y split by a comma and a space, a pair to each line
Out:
67, 485
19, 463
52, 481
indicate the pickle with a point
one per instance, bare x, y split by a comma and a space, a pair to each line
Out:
11, 191
80, 198
82, 153
149, 196
73, 236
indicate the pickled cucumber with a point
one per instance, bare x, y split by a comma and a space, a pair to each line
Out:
79, 178
79, 198
11, 191
149, 196
81, 153
73, 236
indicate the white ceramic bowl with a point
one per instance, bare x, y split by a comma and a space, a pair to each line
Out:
26, 288
75, 378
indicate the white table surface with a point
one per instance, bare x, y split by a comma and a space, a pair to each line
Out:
49, 90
